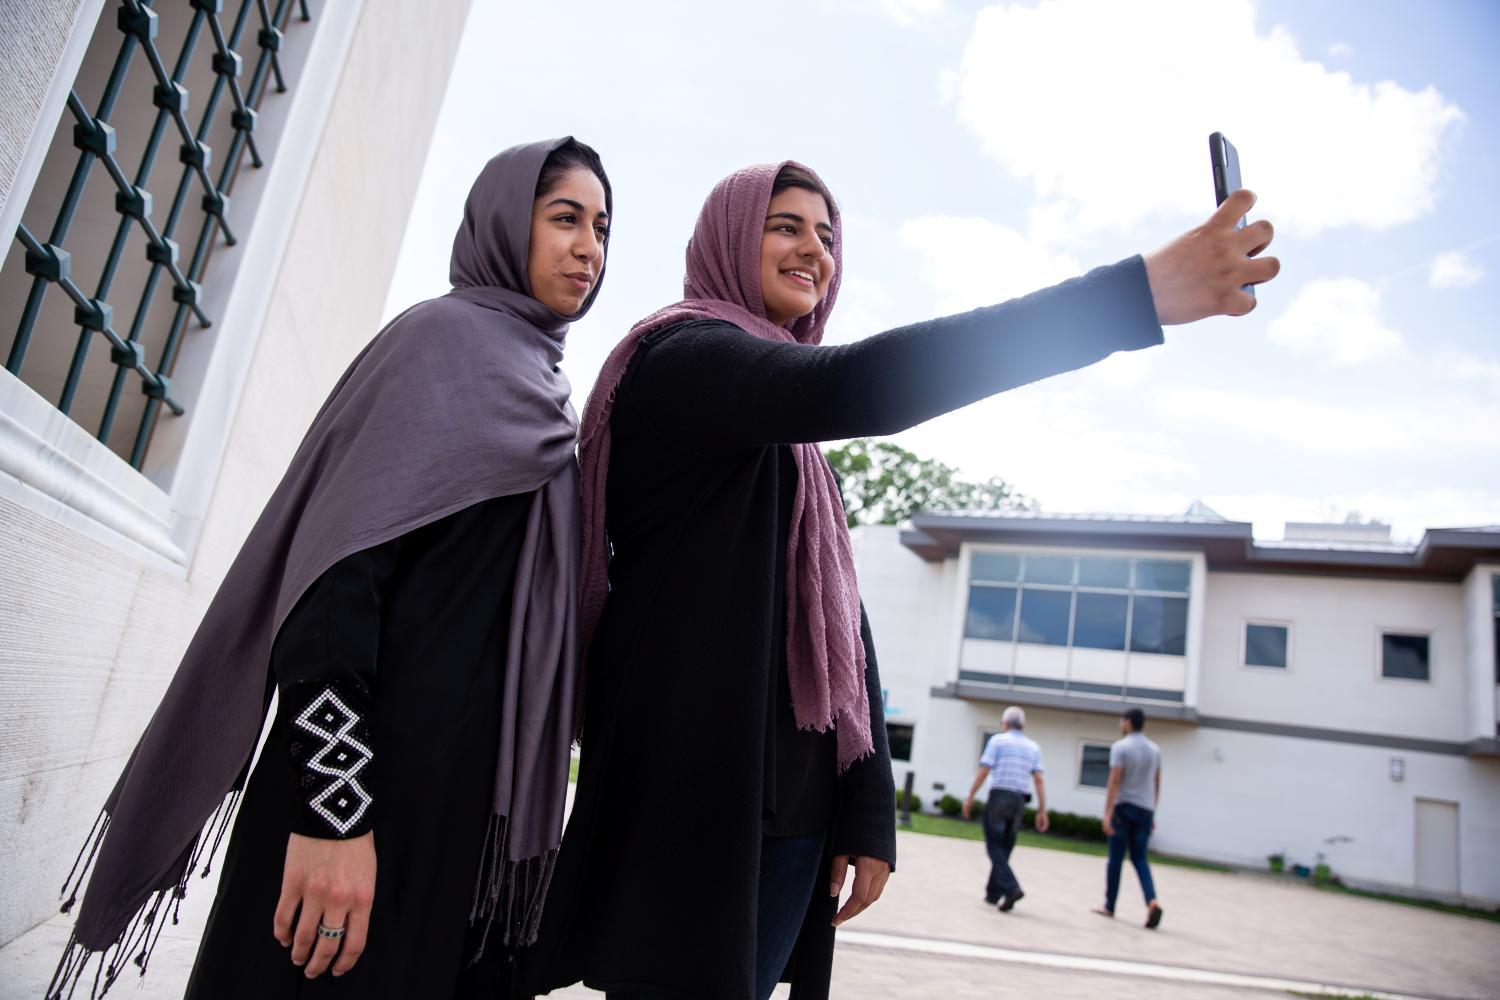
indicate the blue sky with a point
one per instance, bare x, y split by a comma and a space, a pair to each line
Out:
980, 151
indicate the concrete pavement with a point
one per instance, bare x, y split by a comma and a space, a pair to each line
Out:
932, 936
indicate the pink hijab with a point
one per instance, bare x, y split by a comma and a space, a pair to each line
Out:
825, 654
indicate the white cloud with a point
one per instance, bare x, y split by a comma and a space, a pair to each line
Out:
1340, 50
1106, 108
1454, 269
1307, 426
911, 11
1338, 320
972, 262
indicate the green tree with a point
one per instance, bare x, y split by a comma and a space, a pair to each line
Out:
886, 484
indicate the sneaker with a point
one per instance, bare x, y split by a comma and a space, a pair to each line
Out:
1153, 917
1009, 902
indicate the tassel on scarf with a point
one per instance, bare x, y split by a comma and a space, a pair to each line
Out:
509, 893
145, 928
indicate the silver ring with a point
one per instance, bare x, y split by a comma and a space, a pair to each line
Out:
330, 932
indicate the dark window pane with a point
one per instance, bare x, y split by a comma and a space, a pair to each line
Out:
1159, 625
992, 613
900, 739
1265, 646
1044, 616
1049, 569
1495, 588
1093, 771
1404, 656
1104, 573
1101, 621
998, 567
1162, 574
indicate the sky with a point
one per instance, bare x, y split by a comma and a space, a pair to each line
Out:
982, 151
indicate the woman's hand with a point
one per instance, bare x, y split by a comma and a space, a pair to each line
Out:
1199, 274
332, 882
870, 875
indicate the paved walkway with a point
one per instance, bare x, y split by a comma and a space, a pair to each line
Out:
1224, 937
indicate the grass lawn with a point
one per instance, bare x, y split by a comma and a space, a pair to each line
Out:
573, 771
947, 826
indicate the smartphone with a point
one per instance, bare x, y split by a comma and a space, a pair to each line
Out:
1226, 163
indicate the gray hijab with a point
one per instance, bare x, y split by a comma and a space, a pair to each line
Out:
457, 401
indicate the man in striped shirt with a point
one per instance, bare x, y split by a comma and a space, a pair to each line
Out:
1012, 762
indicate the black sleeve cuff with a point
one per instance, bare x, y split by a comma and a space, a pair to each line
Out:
328, 737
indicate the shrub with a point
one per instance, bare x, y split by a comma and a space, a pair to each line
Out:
951, 806
1066, 824
916, 801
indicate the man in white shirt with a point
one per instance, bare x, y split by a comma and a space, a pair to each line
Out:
1012, 762
1130, 811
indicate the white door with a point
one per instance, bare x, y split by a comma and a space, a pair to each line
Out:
1437, 845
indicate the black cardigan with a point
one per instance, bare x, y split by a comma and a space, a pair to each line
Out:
656, 881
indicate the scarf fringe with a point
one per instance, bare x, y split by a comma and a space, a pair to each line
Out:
509, 893
145, 928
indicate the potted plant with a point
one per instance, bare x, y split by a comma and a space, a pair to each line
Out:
1277, 861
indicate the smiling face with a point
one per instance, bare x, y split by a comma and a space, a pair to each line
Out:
796, 254
569, 229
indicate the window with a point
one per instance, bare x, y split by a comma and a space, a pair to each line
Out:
1087, 602
1159, 625
1044, 616
1100, 621
1093, 765
185, 87
1404, 656
992, 613
1495, 589
1265, 645
899, 735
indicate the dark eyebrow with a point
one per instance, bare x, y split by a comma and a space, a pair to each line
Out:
575, 206
793, 216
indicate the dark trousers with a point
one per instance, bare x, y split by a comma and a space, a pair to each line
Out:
1132, 832
788, 868
1002, 821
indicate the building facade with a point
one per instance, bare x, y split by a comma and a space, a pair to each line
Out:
204, 204
1330, 697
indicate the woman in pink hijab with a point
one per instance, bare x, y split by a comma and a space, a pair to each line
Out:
735, 763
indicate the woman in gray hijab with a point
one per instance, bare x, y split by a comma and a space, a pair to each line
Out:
410, 593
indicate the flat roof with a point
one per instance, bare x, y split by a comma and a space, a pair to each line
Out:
1446, 554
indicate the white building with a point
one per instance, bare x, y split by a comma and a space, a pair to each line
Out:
1332, 694
126, 121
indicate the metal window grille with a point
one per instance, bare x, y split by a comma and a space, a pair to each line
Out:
148, 345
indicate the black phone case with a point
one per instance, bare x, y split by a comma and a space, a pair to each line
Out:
1226, 166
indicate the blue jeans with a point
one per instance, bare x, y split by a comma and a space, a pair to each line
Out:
1132, 832
789, 867
1002, 821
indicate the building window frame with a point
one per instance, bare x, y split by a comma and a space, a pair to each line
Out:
1084, 746
1406, 632
911, 734
1245, 663
55, 467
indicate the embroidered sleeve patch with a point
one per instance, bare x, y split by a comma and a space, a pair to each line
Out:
329, 741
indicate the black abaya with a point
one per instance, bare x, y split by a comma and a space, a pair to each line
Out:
413, 632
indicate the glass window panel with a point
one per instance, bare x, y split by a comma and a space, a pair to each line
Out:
1404, 656
1044, 616
900, 739
1100, 621
999, 567
992, 613
1093, 769
1495, 589
1049, 569
1159, 625
1265, 645
1163, 574
1104, 573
